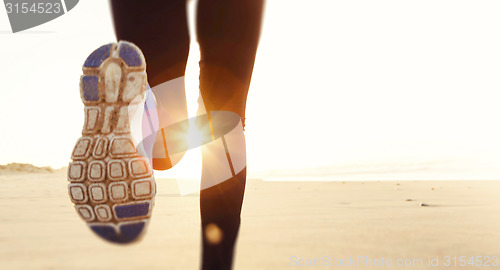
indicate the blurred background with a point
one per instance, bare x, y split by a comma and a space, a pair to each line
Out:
356, 89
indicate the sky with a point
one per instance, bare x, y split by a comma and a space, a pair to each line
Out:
336, 84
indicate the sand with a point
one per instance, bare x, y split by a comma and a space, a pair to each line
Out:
39, 228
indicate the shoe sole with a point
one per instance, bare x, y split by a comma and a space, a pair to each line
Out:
112, 187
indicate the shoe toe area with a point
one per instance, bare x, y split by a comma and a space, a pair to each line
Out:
126, 233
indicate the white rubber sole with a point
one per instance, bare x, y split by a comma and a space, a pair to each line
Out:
112, 187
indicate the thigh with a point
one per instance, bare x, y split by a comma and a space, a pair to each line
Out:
228, 33
160, 29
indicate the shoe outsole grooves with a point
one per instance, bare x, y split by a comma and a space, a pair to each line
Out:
111, 186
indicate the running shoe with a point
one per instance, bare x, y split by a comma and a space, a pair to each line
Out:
110, 184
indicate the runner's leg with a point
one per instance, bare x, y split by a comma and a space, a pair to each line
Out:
160, 29
228, 33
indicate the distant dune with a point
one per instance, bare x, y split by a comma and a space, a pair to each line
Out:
20, 168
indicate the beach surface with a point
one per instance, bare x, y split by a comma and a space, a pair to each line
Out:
285, 225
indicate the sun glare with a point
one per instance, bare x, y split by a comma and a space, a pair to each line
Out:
194, 136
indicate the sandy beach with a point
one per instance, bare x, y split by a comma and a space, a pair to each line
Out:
334, 96
284, 225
